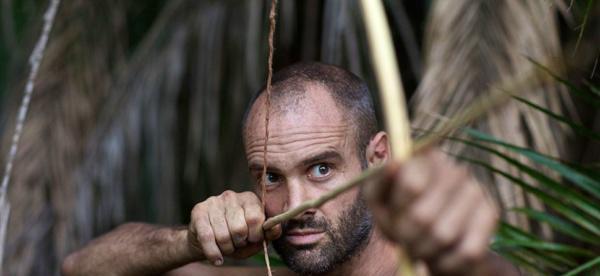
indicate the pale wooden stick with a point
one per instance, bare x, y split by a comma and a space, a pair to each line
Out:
391, 92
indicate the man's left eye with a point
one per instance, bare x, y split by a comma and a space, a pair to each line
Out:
320, 171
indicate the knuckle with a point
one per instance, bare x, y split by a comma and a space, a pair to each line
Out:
250, 197
211, 199
239, 232
442, 238
198, 209
209, 202
254, 218
228, 194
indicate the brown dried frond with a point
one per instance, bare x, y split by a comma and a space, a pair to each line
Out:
72, 82
473, 45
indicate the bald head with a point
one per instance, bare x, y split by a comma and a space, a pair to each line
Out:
349, 92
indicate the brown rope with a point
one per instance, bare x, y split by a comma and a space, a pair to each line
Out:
272, 23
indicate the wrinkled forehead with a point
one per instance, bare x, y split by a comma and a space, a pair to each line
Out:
300, 111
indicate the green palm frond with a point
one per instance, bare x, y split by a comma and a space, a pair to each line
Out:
573, 201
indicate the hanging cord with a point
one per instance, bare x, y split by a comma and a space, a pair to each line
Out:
272, 23
34, 63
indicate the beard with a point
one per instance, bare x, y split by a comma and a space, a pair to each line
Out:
340, 243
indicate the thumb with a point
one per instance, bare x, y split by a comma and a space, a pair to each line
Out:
273, 233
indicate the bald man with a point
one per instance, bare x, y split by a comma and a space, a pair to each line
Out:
323, 132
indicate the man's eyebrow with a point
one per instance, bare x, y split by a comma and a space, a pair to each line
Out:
324, 156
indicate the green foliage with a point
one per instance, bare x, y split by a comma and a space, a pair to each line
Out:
573, 208
274, 259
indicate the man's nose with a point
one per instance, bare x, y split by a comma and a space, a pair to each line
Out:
297, 194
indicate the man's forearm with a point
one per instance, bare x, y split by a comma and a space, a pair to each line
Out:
132, 248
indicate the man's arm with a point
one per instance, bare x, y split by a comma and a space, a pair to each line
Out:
226, 225
133, 248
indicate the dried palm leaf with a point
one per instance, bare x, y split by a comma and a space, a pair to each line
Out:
472, 45
72, 82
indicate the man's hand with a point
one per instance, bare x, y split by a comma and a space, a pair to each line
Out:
437, 211
229, 225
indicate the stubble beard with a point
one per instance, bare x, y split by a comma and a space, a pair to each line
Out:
340, 243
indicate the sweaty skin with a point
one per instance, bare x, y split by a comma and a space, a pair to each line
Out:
431, 206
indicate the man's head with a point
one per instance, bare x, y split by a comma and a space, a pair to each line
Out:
323, 132
348, 91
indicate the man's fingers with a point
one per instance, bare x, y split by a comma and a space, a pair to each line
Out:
221, 231
254, 219
206, 239
475, 240
452, 221
411, 181
418, 218
237, 225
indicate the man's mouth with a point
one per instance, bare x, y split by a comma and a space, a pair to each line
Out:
304, 236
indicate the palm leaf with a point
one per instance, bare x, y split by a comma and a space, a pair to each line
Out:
588, 98
588, 10
548, 199
567, 194
516, 257
560, 225
507, 232
534, 253
593, 89
590, 264
578, 128
583, 181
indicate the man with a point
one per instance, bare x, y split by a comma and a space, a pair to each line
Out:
323, 132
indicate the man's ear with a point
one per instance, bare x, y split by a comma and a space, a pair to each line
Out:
378, 151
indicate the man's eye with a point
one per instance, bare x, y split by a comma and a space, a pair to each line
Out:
320, 171
272, 179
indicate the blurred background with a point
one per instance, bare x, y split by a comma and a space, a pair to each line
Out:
137, 107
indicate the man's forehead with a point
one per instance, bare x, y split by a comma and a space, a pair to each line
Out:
314, 109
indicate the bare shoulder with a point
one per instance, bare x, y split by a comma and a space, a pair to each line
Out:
204, 269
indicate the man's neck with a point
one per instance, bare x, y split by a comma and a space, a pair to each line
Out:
379, 257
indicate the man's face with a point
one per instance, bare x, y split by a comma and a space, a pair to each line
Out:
311, 150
